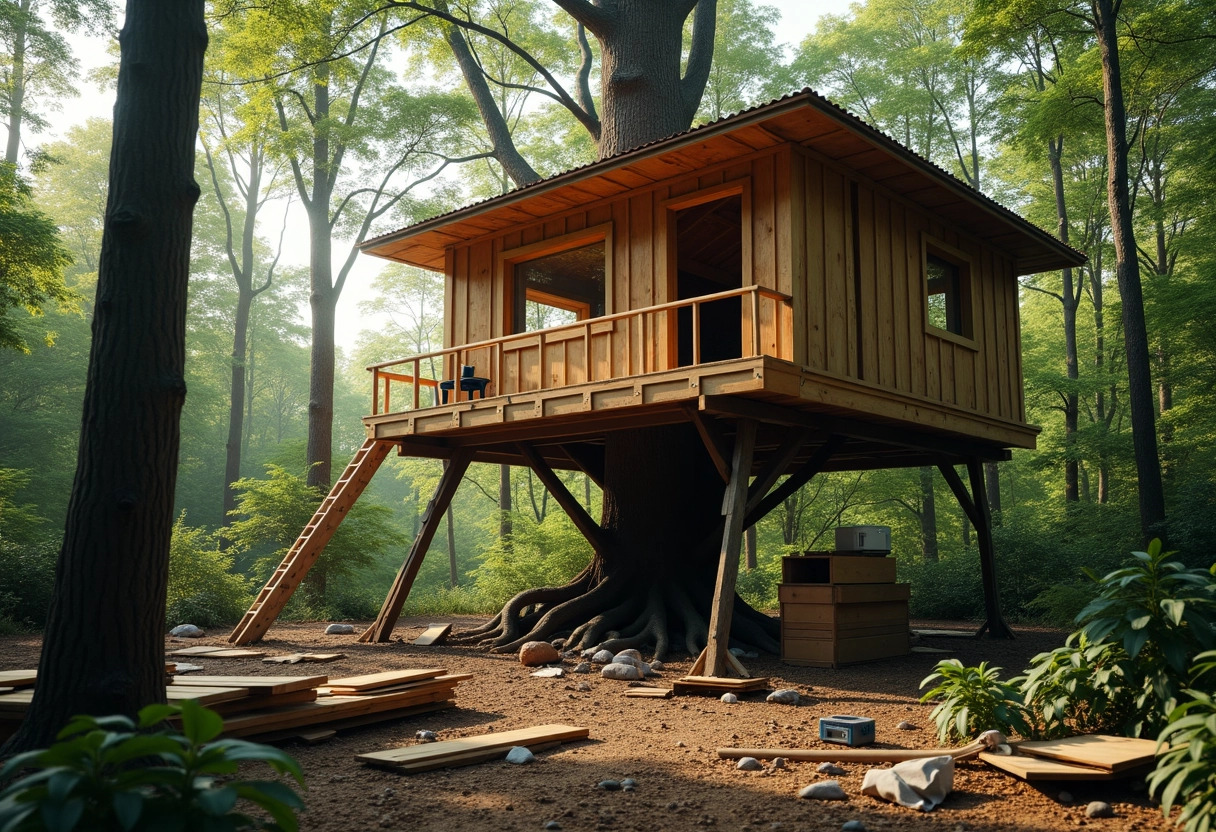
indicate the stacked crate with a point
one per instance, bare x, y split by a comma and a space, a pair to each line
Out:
841, 609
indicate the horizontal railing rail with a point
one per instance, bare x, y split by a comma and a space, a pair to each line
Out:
613, 346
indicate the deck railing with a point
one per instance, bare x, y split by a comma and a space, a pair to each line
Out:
614, 346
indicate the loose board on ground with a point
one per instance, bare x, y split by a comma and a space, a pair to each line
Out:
1114, 754
451, 752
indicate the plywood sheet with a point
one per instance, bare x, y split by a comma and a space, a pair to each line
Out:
219, 652
1100, 751
449, 749
295, 658
257, 685
18, 678
385, 679
333, 709
1040, 768
717, 684
649, 693
433, 634
204, 695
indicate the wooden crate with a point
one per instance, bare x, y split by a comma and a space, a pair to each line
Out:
837, 652
837, 569
845, 594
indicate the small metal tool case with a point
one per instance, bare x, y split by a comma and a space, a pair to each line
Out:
847, 730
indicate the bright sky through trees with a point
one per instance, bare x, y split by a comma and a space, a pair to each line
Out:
797, 20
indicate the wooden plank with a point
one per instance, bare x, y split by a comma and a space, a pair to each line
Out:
295, 658
219, 653
649, 693
422, 684
393, 757
1108, 753
716, 684
257, 703
18, 678
259, 685
468, 758
1040, 768
433, 634
384, 679
204, 695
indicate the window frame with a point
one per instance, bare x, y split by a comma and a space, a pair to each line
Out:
510, 258
964, 262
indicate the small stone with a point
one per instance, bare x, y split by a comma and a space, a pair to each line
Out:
558, 643
823, 790
737, 651
582, 687
582, 667
778, 762
340, 630
657, 666
628, 654
1099, 809
853, 826
536, 653
186, 631
549, 673
426, 736
649, 672
1065, 797
831, 768
621, 672
906, 726
602, 657
681, 744
552, 825
609, 785
520, 755
629, 784
730, 698
786, 696
749, 764
570, 654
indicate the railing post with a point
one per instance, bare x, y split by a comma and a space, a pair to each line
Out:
696, 333
755, 303
375, 391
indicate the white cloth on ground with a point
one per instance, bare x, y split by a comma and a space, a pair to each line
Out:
918, 784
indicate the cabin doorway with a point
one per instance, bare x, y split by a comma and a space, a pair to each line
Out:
708, 260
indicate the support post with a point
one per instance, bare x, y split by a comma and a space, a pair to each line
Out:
383, 626
734, 506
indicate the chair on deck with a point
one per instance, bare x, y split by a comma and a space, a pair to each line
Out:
469, 383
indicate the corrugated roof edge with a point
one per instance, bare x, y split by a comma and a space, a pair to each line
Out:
822, 103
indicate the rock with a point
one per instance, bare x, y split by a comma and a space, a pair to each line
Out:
906, 726
558, 643
186, 631
602, 657
1099, 809
730, 698
582, 667
786, 696
823, 790
536, 653
340, 630
426, 736
520, 755
570, 654
629, 660
853, 826
1065, 797
621, 672
657, 666
831, 768
552, 825
649, 672
737, 651
609, 785
778, 762
583, 687
629, 784
681, 744
749, 764
630, 654
549, 673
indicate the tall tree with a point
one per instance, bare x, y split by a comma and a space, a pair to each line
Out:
103, 650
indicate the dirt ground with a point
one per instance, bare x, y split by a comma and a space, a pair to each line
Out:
667, 746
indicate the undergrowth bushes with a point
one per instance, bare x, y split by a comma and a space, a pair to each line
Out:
203, 589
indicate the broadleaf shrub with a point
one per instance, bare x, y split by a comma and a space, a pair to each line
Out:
1186, 765
971, 700
203, 590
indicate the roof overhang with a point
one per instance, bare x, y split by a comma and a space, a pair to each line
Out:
804, 118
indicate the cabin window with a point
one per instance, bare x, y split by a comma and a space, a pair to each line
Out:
948, 290
560, 288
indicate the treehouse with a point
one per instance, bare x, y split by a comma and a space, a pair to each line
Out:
794, 289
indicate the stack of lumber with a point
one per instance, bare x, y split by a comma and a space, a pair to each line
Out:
1088, 757
277, 707
470, 750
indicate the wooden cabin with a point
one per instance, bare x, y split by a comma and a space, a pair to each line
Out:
788, 265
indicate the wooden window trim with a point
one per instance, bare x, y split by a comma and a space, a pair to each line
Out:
966, 265
508, 259
742, 187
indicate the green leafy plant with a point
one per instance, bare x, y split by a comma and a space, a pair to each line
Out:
1186, 768
108, 773
1080, 688
973, 699
203, 588
1162, 614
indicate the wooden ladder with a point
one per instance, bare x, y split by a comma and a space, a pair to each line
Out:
311, 542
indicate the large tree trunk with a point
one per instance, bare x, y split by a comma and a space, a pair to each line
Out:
103, 650
652, 581
1141, 402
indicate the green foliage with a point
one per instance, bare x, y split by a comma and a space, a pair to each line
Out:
1080, 688
973, 699
32, 259
548, 553
950, 588
27, 576
203, 589
114, 774
1186, 765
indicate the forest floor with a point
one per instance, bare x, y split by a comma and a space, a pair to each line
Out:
667, 746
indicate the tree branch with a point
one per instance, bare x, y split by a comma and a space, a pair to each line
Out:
700, 55
597, 19
584, 75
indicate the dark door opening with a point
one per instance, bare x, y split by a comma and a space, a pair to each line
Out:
709, 259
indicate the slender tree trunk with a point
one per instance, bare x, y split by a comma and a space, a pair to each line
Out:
1127, 270
928, 516
453, 577
322, 301
992, 484
750, 560
504, 505
236, 407
16, 94
1071, 299
103, 649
